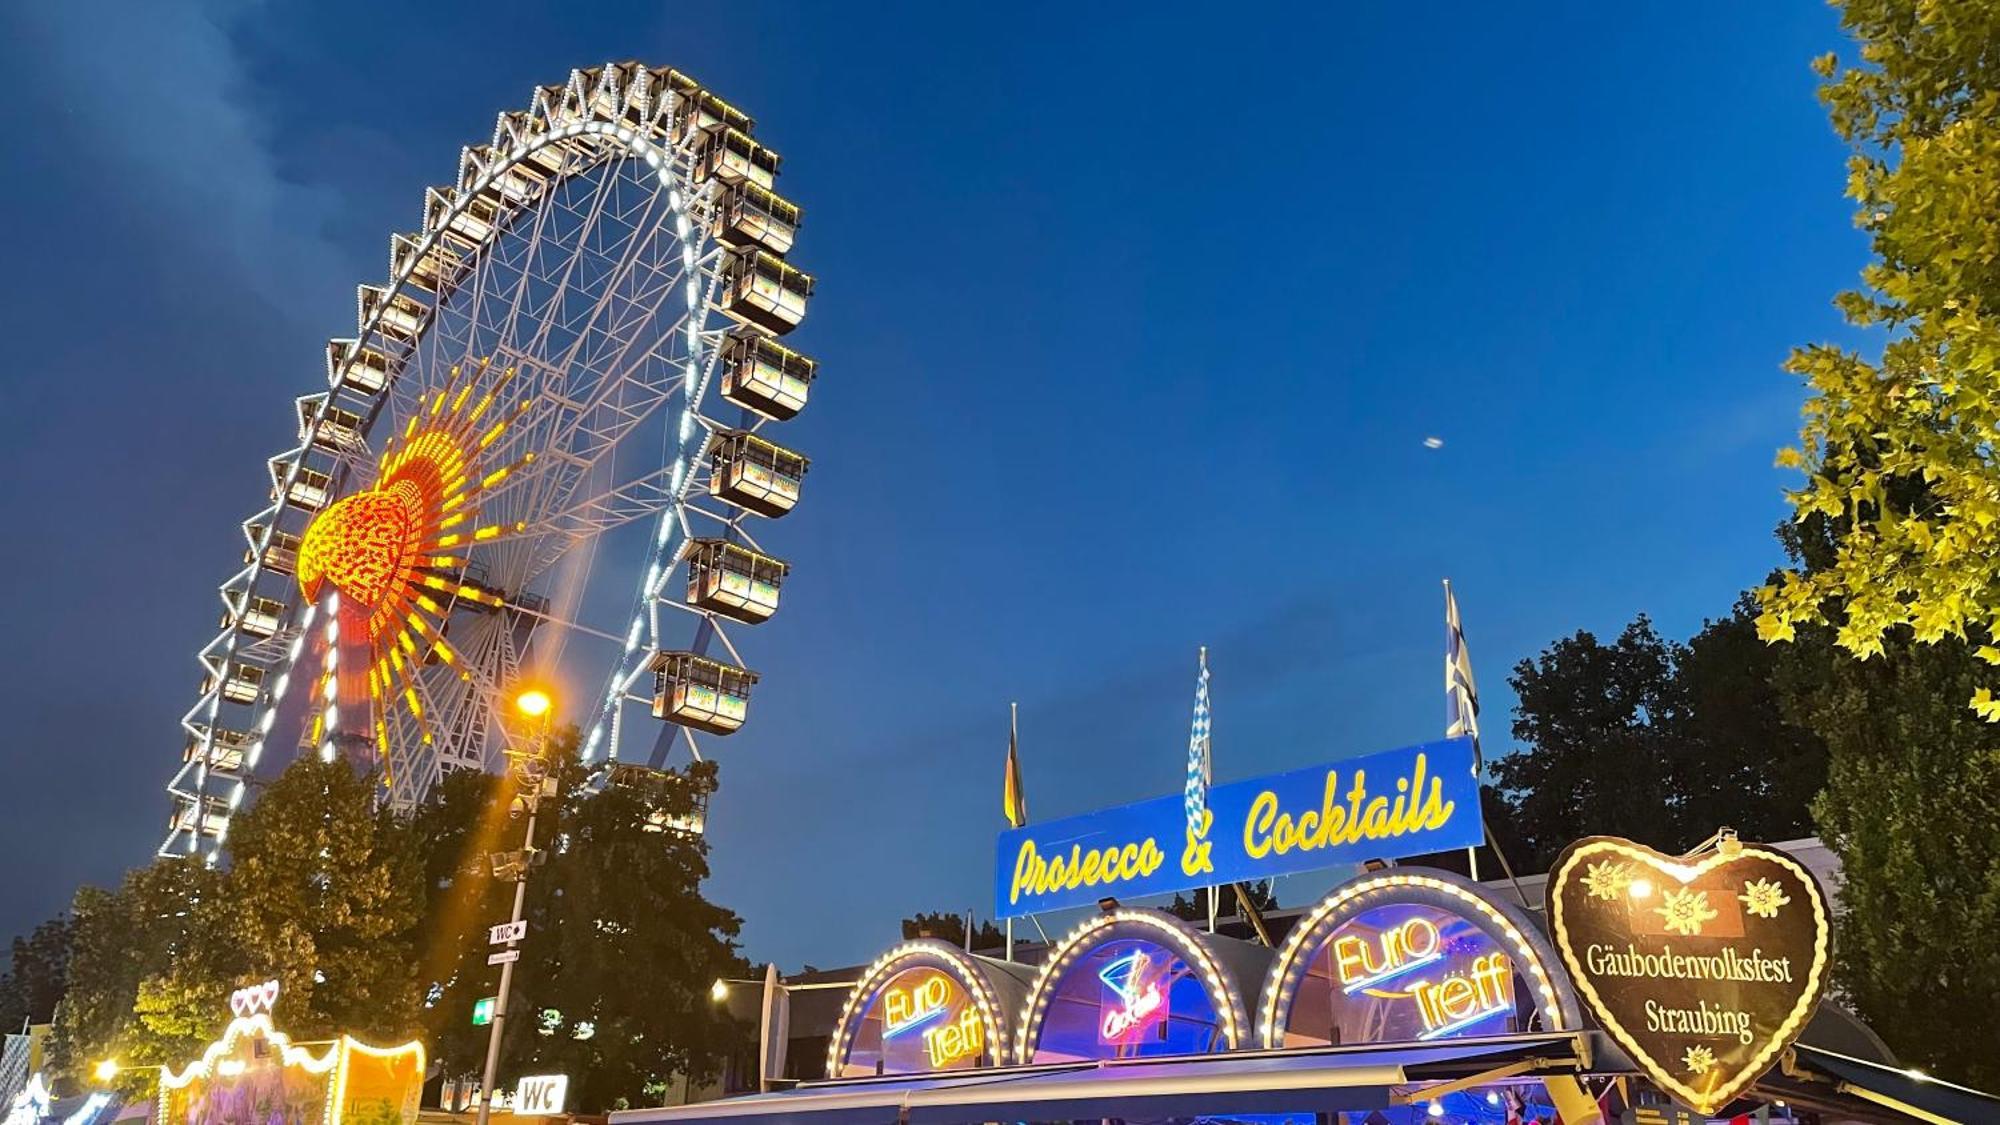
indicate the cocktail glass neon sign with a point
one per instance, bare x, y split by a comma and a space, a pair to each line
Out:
1141, 997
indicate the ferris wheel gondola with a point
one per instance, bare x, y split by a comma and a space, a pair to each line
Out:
581, 339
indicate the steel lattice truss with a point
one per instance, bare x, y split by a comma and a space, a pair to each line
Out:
561, 307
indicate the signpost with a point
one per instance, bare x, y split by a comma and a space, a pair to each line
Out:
1704, 967
504, 957
1380, 806
482, 1010
542, 1094
507, 932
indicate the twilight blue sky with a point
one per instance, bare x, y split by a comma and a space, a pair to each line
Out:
1133, 324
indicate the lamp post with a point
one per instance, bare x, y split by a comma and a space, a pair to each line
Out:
531, 774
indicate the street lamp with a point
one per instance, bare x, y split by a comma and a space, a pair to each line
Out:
109, 1069
532, 778
534, 703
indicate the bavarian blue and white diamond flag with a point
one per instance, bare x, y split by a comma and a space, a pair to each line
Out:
1201, 768
1461, 695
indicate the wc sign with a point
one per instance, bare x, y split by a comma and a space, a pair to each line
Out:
542, 1094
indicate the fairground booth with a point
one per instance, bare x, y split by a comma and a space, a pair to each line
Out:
1630, 986
255, 1075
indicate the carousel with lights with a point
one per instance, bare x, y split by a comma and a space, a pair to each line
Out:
256, 1075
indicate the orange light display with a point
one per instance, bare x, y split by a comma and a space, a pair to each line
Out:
388, 548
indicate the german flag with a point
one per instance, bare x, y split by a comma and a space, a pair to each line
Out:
1013, 798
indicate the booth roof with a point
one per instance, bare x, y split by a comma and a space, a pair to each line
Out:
1248, 1082
1907, 1092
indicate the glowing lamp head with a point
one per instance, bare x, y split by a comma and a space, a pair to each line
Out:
719, 991
106, 1070
533, 703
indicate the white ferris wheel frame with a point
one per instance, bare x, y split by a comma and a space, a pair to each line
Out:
615, 118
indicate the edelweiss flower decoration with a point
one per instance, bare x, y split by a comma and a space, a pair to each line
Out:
1686, 911
1608, 880
1763, 897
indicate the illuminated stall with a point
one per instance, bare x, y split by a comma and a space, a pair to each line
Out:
255, 1075
1648, 987
1139, 983
928, 1006
1412, 955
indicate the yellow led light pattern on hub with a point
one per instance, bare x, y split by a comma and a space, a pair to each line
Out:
385, 548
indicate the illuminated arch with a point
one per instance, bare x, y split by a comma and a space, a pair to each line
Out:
971, 975
1142, 925
224, 1060
1506, 926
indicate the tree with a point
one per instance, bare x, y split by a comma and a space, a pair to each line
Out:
1919, 106
1908, 807
629, 946
1194, 907
166, 913
328, 883
951, 928
1656, 740
464, 821
613, 983
37, 968
323, 892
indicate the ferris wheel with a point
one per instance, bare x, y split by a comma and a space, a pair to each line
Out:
578, 350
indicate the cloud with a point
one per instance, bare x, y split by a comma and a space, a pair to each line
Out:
159, 99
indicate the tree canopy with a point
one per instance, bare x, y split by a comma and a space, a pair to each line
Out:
37, 969
951, 928
1653, 739
1918, 102
375, 924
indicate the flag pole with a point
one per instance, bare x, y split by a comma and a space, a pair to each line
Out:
1013, 738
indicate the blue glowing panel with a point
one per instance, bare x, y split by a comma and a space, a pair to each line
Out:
1128, 998
919, 1021
1403, 802
1404, 972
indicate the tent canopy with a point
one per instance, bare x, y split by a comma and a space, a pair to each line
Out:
1266, 1082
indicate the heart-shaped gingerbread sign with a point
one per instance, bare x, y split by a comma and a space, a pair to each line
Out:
1704, 968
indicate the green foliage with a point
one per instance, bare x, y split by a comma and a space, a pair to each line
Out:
1908, 807
37, 967
629, 945
163, 919
465, 819
376, 925
1656, 740
951, 928
1194, 907
329, 890
323, 893
1920, 109
621, 947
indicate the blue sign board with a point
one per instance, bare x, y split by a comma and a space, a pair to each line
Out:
1380, 806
